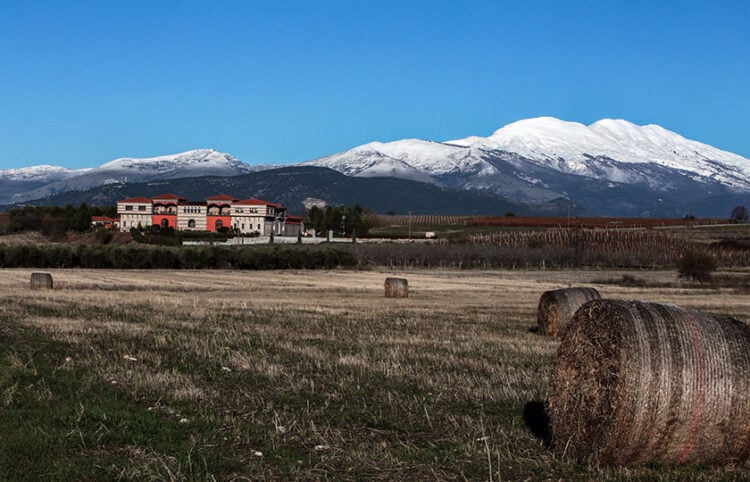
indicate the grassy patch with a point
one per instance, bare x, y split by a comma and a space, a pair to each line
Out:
315, 377
62, 422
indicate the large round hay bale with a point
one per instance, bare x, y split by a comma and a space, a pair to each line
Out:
639, 382
396, 288
557, 307
41, 281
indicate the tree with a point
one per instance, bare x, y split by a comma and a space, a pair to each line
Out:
740, 214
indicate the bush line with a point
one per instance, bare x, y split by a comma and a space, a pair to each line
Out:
166, 257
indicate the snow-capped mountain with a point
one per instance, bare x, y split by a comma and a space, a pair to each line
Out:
570, 147
50, 180
27, 179
41, 173
609, 167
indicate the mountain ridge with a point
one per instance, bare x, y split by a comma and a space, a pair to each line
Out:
610, 167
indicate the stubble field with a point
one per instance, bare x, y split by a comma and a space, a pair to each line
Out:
228, 375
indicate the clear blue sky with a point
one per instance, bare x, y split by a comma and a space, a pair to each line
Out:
85, 82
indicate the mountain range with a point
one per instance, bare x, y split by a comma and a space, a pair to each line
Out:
542, 165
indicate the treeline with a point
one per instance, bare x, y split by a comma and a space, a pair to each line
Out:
166, 257
343, 220
53, 221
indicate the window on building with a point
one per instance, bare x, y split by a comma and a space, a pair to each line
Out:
128, 207
141, 208
243, 226
191, 223
219, 224
164, 223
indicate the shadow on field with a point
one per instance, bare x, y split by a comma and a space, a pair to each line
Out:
537, 420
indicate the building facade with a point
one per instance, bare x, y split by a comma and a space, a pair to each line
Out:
216, 213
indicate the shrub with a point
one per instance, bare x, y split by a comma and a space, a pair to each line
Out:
697, 265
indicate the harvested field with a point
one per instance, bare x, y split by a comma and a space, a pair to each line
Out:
202, 375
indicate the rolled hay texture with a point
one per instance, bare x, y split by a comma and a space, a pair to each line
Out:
41, 281
557, 307
396, 288
637, 383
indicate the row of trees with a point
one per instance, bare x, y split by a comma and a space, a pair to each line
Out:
343, 220
53, 221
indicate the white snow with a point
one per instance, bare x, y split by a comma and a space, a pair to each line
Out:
408, 156
207, 159
40, 172
569, 146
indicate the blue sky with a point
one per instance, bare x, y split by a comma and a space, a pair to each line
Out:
85, 82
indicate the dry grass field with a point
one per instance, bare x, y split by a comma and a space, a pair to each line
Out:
230, 375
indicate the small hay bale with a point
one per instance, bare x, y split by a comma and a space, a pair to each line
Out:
396, 288
557, 307
41, 281
637, 383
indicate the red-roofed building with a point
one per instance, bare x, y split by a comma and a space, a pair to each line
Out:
135, 212
244, 216
104, 222
165, 210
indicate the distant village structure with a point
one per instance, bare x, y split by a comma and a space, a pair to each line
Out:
216, 213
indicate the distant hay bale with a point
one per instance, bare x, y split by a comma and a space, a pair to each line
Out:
557, 307
396, 288
637, 383
41, 281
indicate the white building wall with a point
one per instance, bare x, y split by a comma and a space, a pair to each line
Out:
196, 213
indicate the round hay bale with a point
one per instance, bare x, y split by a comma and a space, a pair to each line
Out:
396, 288
557, 307
637, 383
41, 281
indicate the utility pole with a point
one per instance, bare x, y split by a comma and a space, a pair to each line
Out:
409, 225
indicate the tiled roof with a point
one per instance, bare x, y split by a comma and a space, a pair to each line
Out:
169, 196
221, 197
138, 200
257, 202
102, 219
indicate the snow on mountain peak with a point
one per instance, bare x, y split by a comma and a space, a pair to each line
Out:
196, 158
38, 173
571, 146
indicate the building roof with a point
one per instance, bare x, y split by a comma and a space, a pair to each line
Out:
170, 197
293, 219
102, 219
222, 197
137, 200
257, 202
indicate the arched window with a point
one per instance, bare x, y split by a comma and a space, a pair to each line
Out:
219, 224
191, 223
164, 223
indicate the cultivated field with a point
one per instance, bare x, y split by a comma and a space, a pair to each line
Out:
229, 375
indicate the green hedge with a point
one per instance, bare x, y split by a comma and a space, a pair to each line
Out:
167, 257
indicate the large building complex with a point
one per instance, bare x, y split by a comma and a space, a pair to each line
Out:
247, 216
